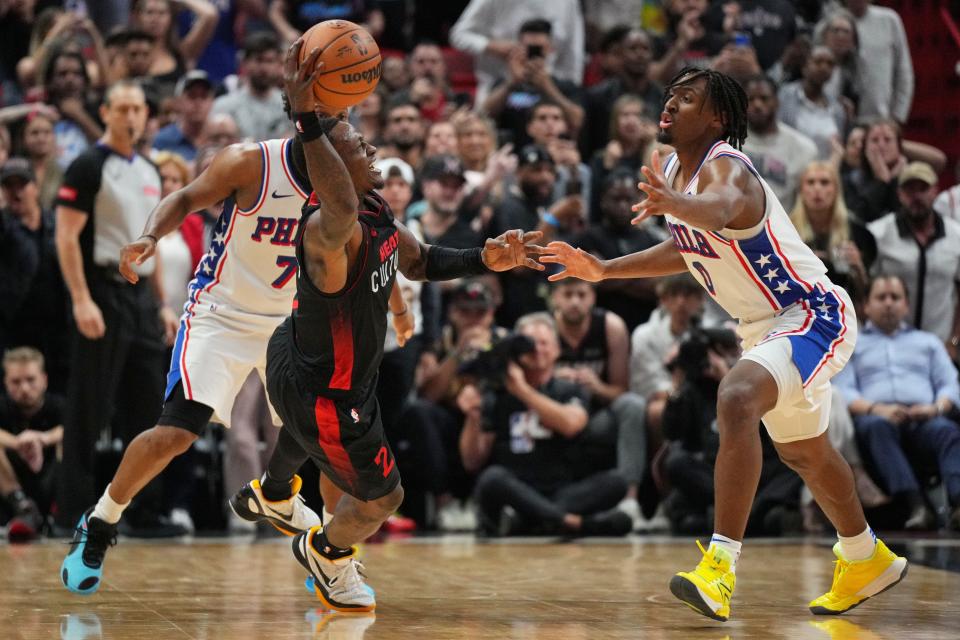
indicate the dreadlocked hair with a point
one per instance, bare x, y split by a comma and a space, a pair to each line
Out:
727, 97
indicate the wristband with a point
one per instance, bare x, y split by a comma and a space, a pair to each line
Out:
551, 220
310, 126
152, 237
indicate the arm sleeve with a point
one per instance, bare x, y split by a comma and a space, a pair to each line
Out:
81, 183
903, 80
468, 32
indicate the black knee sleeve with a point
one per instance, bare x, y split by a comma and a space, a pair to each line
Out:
186, 414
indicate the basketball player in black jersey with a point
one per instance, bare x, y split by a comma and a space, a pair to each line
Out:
322, 361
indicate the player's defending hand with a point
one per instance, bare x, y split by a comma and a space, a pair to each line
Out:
661, 197
138, 251
512, 249
578, 263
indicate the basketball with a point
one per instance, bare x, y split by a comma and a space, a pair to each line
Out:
351, 61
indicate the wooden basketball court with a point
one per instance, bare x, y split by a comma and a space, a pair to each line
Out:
459, 588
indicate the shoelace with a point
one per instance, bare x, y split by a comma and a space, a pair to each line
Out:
353, 576
711, 561
97, 544
839, 569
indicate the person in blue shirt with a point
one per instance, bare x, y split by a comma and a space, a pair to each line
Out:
901, 386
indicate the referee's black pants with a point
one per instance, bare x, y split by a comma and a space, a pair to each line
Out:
115, 386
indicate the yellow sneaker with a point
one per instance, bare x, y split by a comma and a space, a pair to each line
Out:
708, 588
855, 582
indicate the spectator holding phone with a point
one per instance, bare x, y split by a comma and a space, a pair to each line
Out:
529, 82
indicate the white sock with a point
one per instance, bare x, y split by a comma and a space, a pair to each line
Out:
859, 547
732, 547
326, 517
108, 509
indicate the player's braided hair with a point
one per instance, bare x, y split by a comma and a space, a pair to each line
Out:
727, 97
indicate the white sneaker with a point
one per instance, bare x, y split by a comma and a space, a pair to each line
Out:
630, 507
290, 516
339, 584
182, 518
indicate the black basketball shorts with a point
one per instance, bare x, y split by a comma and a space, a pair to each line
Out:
344, 437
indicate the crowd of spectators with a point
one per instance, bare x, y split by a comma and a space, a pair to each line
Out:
517, 407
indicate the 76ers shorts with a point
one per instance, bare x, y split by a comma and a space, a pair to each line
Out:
214, 353
803, 347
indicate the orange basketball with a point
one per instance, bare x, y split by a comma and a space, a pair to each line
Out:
351, 61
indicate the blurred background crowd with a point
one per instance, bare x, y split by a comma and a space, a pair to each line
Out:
519, 407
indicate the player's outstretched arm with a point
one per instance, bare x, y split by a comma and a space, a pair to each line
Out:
660, 260
724, 197
232, 169
329, 177
507, 251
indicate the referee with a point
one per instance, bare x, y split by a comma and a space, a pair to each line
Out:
117, 351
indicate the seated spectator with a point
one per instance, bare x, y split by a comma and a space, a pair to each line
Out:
58, 30
428, 451
838, 32
632, 135
256, 106
633, 300
738, 60
34, 308
194, 94
219, 131
918, 245
180, 252
805, 105
39, 146
366, 117
395, 76
524, 438
67, 85
290, 18
31, 431
634, 78
680, 308
135, 55
687, 42
842, 242
851, 154
429, 88
548, 128
448, 218
607, 60
871, 189
947, 203
789, 68
595, 354
441, 139
900, 404
403, 133
173, 55
487, 29
530, 81
476, 141
526, 207
778, 151
689, 424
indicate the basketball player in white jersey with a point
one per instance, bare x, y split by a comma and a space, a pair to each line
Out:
798, 330
243, 288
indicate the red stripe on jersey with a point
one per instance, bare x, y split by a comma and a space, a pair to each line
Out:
328, 435
746, 267
342, 332
784, 260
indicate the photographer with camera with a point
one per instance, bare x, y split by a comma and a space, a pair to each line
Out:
427, 449
703, 358
525, 434
530, 81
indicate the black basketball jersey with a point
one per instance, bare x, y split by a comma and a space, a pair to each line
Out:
339, 336
592, 350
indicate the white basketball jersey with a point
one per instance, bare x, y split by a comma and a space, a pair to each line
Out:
251, 265
752, 273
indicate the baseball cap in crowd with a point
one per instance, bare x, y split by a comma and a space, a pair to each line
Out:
17, 168
396, 168
472, 294
191, 78
918, 171
442, 166
533, 154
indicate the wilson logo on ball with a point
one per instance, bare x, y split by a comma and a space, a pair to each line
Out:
368, 76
